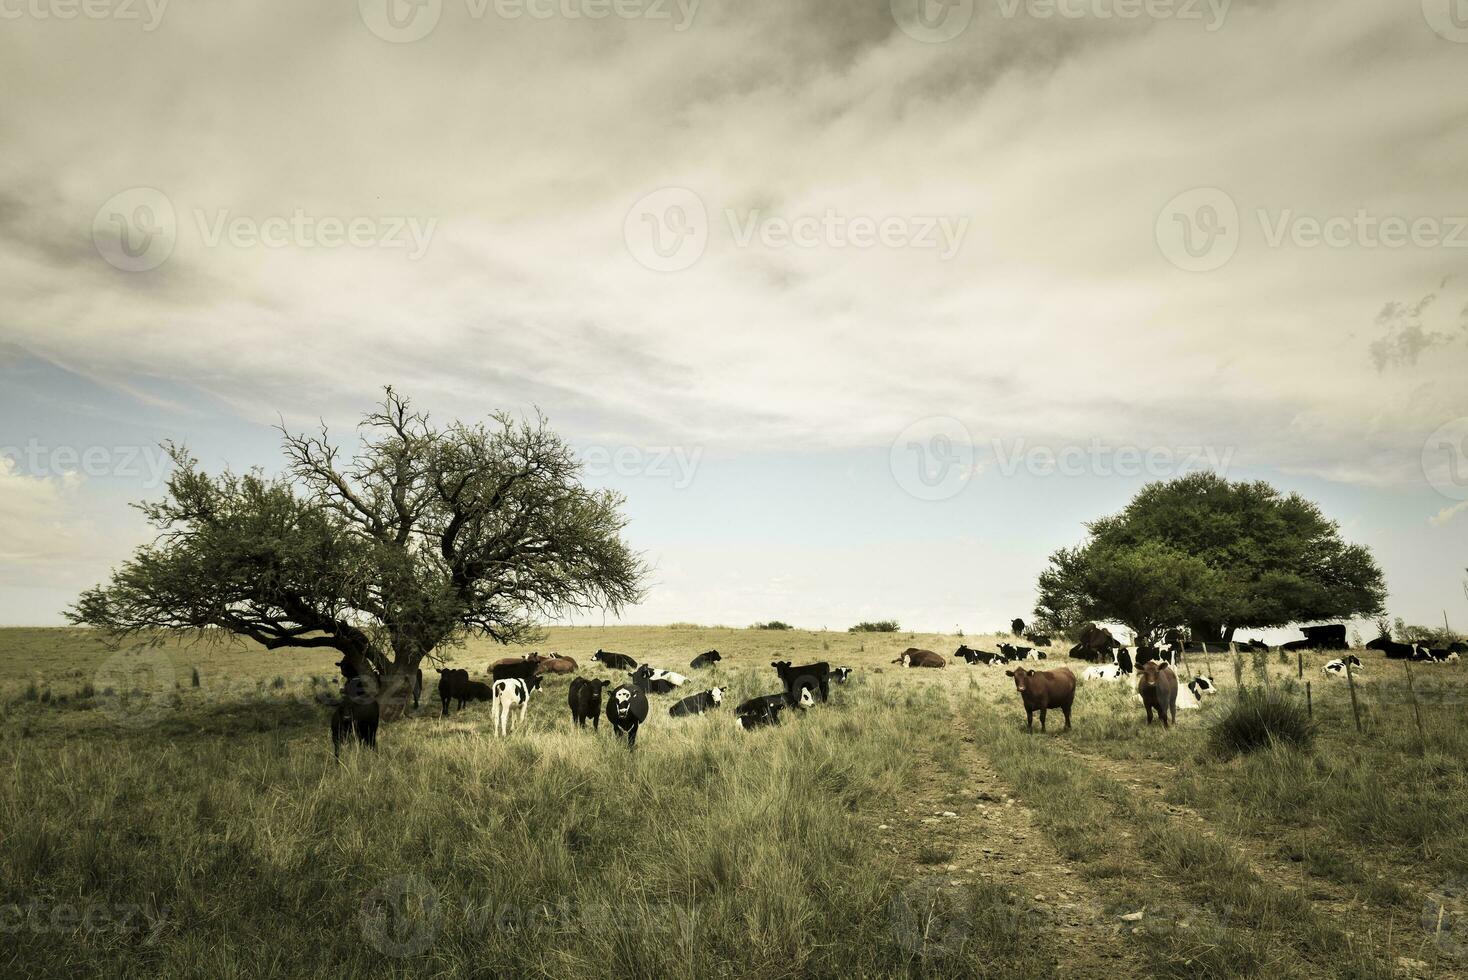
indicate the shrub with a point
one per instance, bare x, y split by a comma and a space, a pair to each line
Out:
880, 626
773, 624
1261, 718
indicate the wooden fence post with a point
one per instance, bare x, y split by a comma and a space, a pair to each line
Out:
1309, 702
1355, 708
1300, 664
1416, 708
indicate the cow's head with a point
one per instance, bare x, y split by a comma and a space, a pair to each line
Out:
716, 695
1021, 678
806, 698
1151, 673
712, 655
905, 659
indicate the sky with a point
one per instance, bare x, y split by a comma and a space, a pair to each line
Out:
865, 307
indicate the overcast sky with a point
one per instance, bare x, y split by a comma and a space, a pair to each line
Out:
818, 285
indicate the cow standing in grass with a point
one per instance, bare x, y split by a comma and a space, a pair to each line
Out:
626, 711
357, 714
1041, 690
1157, 685
508, 693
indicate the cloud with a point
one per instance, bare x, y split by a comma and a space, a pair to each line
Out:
1448, 513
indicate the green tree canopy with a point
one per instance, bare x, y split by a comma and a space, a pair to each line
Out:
423, 536
1214, 556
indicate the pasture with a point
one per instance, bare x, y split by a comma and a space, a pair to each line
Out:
176, 812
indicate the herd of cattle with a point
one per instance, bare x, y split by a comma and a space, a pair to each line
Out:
513, 680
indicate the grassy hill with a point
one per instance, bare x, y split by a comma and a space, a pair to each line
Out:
176, 812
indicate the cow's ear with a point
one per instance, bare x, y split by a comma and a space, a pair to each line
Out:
1009, 673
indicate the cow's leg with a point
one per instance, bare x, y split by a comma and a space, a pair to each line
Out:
1029, 720
1066, 711
524, 707
632, 737
1149, 714
1042, 719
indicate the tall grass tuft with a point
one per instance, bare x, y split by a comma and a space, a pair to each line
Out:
1261, 718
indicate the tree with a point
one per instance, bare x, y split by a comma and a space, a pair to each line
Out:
1215, 556
423, 537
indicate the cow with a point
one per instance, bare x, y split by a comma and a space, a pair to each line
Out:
705, 660
508, 693
966, 655
840, 674
1091, 655
1038, 639
1338, 667
759, 712
513, 661
644, 681
1041, 690
816, 676
521, 669
1122, 657
584, 697
1147, 654
1328, 637
698, 703
1202, 686
913, 657
449, 682
1157, 685
556, 664
357, 714
1017, 627
1102, 672
615, 661
979, 656
1457, 646
659, 674
1391, 649
626, 711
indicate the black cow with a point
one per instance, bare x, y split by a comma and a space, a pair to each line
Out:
1122, 657
1392, 649
840, 674
705, 660
584, 697
815, 676
626, 710
760, 711
644, 681
698, 703
1457, 646
1092, 655
357, 714
1017, 627
450, 682
1329, 637
615, 661
522, 670
1038, 639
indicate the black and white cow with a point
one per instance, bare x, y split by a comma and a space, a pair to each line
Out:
659, 674
508, 693
759, 712
840, 674
615, 661
1338, 667
644, 681
584, 697
815, 676
1202, 686
1011, 652
698, 703
1103, 672
626, 710
979, 656
705, 660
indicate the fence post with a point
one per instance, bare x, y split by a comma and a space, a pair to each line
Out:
1309, 702
1416, 708
1300, 664
1355, 708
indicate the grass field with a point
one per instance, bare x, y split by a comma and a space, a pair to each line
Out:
176, 812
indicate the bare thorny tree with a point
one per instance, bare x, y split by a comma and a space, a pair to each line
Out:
421, 537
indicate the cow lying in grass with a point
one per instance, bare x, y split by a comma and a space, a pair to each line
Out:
615, 661
698, 703
1338, 667
705, 660
913, 657
840, 674
455, 685
1041, 690
644, 681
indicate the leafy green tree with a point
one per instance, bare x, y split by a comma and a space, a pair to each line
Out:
424, 536
1214, 556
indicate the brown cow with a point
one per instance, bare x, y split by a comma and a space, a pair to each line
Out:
1157, 685
1044, 689
556, 664
507, 661
913, 657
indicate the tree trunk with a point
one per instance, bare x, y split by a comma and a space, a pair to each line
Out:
1228, 634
